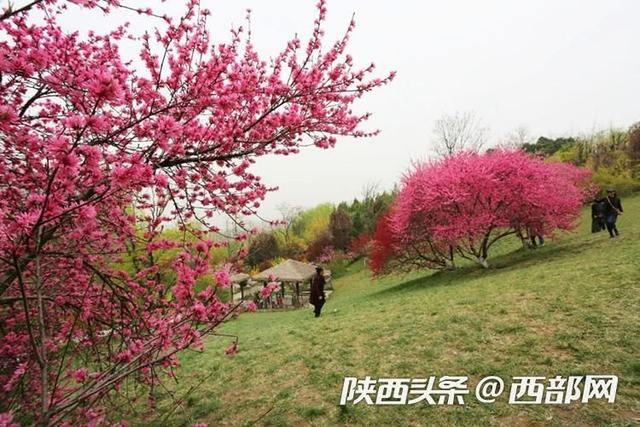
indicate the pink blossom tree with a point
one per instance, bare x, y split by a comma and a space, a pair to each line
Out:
97, 156
463, 204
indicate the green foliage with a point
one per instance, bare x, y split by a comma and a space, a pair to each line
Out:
358, 226
624, 183
613, 156
366, 212
340, 225
309, 231
312, 222
292, 246
547, 146
263, 247
338, 265
568, 154
633, 149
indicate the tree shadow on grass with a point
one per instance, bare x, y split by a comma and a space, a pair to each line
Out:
525, 257
515, 260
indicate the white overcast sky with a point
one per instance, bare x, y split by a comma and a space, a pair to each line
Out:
558, 67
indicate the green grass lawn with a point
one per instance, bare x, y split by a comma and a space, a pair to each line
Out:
571, 307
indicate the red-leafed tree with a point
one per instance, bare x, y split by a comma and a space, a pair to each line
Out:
462, 205
383, 245
392, 250
98, 155
320, 246
360, 246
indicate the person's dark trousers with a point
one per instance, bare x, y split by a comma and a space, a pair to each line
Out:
317, 307
611, 226
533, 241
597, 225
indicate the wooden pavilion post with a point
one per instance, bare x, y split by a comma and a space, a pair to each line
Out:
297, 294
282, 294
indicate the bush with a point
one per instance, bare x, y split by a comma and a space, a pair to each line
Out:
318, 246
264, 247
623, 183
338, 264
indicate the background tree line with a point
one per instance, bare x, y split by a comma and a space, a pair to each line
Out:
330, 234
612, 155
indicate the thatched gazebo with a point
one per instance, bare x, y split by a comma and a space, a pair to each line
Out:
289, 272
240, 279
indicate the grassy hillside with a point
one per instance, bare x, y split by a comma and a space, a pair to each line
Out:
571, 307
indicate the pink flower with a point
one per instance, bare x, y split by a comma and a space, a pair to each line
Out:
270, 288
7, 116
80, 375
6, 419
251, 307
232, 349
161, 180
200, 311
222, 277
17, 374
88, 212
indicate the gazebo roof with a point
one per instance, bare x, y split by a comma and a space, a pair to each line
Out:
239, 277
288, 271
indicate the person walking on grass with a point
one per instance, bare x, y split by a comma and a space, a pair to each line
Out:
597, 216
612, 208
317, 297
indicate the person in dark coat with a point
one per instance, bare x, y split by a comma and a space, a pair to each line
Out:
612, 208
597, 215
317, 297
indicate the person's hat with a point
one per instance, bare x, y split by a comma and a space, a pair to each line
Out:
611, 190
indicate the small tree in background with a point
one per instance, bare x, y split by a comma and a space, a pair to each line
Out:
633, 148
340, 227
359, 246
320, 247
459, 132
518, 138
263, 247
358, 225
288, 217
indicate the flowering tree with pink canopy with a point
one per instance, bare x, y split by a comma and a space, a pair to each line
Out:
463, 204
98, 156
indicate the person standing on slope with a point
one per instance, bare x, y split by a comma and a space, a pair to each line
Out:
612, 208
317, 297
597, 215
